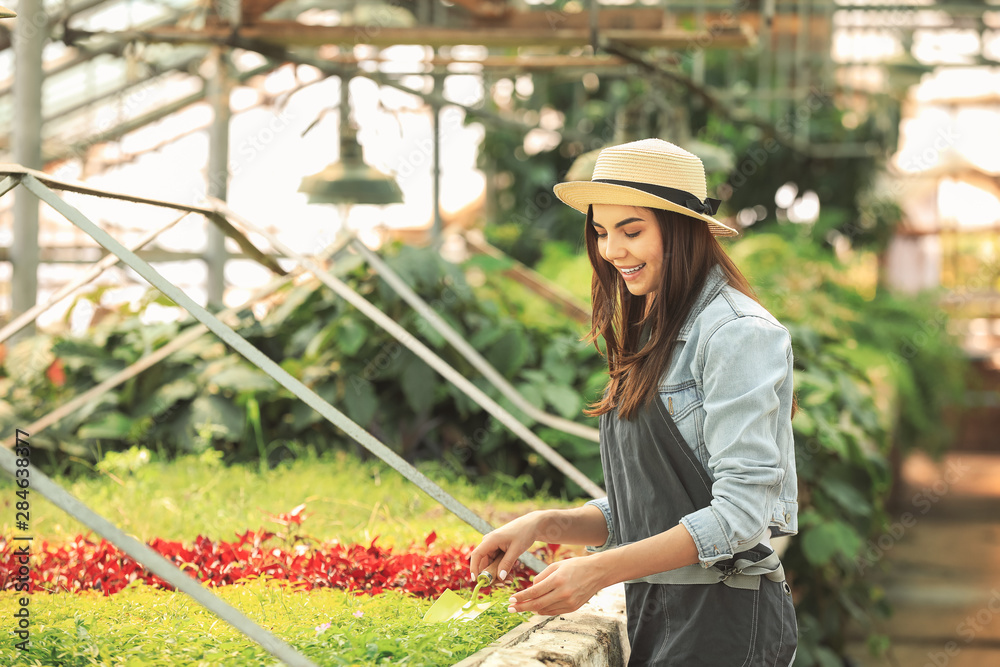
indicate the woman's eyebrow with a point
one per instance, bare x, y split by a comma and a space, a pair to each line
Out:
618, 224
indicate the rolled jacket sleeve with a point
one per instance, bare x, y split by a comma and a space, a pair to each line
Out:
745, 366
610, 543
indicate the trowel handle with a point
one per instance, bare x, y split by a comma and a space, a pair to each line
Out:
490, 573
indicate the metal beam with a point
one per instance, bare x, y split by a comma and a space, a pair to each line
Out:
85, 53
91, 254
181, 65
265, 363
294, 34
75, 286
183, 340
470, 353
217, 172
144, 554
76, 149
429, 357
82, 188
27, 144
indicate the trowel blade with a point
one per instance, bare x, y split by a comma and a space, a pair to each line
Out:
448, 607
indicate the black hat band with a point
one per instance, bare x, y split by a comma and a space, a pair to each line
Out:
679, 197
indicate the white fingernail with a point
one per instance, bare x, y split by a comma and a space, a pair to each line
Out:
503, 574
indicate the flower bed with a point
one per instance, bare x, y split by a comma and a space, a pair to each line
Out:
150, 627
339, 604
83, 564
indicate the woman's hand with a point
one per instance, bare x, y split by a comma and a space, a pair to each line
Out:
512, 539
561, 587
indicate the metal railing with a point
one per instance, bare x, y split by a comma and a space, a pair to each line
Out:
43, 186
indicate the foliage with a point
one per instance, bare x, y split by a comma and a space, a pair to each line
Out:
82, 564
206, 396
166, 503
150, 627
349, 501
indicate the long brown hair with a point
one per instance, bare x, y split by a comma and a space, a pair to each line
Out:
689, 252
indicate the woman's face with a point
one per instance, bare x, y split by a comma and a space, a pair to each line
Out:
628, 237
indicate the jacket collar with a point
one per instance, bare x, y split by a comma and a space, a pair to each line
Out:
714, 283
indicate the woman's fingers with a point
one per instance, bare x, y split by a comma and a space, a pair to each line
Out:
508, 561
483, 555
525, 600
560, 588
544, 574
513, 539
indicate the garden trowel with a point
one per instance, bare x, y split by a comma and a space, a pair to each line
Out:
453, 607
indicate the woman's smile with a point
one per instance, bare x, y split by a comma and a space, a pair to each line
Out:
631, 273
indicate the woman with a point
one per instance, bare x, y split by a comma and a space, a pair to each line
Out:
695, 423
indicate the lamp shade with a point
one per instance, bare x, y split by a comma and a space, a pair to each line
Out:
351, 181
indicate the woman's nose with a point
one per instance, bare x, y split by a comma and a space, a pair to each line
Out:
613, 249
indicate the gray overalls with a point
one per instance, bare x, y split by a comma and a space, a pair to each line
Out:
748, 619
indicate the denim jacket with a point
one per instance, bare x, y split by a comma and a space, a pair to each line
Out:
729, 391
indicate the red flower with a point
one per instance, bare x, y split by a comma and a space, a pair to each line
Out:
56, 373
83, 564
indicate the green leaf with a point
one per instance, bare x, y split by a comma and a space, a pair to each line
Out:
490, 264
822, 543
242, 378
845, 495
351, 337
30, 358
530, 392
113, 425
418, 382
166, 396
220, 414
557, 364
563, 399
804, 423
828, 658
294, 297
508, 353
360, 401
486, 336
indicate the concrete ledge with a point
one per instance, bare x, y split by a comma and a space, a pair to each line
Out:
593, 636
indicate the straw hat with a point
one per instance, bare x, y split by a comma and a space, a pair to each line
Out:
649, 172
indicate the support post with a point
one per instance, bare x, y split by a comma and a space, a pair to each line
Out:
764, 60
218, 173
30, 33
803, 66
437, 228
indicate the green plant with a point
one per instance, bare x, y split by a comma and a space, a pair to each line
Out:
206, 396
146, 626
348, 500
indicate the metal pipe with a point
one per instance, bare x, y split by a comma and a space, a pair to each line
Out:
151, 359
77, 285
146, 556
263, 362
217, 173
470, 353
29, 38
427, 355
